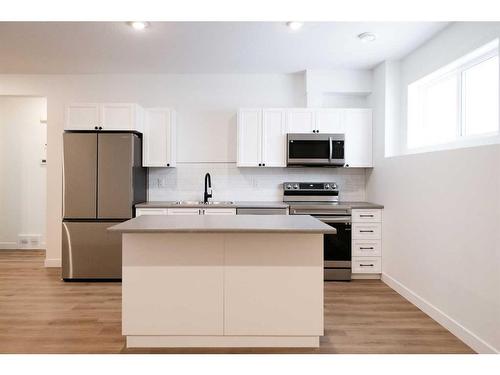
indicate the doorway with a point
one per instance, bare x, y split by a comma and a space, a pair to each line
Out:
23, 173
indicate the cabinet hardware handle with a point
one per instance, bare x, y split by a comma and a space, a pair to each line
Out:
95, 127
263, 164
366, 231
366, 248
365, 215
100, 127
366, 265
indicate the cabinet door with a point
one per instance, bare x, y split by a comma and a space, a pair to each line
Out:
82, 116
219, 211
150, 211
118, 116
159, 138
358, 137
173, 284
329, 121
273, 284
274, 138
249, 138
300, 120
183, 211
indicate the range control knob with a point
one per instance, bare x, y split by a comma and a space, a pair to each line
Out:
288, 186
327, 186
296, 186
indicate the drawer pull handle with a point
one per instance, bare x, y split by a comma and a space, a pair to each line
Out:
365, 231
365, 215
366, 248
366, 265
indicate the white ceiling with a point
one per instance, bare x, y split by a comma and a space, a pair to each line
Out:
203, 47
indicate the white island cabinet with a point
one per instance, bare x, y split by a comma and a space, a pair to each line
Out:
219, 281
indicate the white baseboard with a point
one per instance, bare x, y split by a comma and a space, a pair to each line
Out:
464, 334
365, 276
55, 262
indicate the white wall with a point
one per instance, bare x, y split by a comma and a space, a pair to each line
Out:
23, 177
442, 209
346, 88
206, 107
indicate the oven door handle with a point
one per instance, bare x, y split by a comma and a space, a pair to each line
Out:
331, 149
336, 219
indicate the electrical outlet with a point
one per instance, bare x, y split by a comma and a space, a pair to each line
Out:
23, 241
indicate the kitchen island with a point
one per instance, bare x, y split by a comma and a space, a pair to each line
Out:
219, 281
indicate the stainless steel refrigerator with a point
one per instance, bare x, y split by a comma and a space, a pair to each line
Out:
103, 179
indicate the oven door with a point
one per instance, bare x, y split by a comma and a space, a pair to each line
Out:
315, 149
337, 248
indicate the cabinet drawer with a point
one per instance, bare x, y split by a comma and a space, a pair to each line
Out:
219, 211
366, 265
150, 211
184, 211
370, 248
366, 216
366, 231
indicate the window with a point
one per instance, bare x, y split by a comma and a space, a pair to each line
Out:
457, 104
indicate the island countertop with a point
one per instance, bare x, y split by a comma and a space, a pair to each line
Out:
224, 224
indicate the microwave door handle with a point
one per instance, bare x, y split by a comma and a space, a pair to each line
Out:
331, 150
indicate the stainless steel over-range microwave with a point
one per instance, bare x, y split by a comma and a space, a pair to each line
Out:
315, 149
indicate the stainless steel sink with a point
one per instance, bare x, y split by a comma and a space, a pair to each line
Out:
199, 203
190, 203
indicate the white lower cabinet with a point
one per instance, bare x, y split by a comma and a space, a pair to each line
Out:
366, 242
185, 211
219, 211
151, 211
366, 265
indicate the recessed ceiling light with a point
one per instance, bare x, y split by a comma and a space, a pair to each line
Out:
294, 25
139, 25
367, 37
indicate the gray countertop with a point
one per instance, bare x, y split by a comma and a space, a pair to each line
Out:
230, 223
250, 204
173, 204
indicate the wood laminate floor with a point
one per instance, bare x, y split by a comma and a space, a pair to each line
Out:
39, 313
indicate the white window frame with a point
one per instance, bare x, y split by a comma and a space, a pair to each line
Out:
457, 68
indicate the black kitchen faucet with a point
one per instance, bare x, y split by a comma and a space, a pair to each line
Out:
208, 185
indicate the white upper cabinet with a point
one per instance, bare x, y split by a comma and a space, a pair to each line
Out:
274, 138
121, 116
159, 138
301, 120
358, 137
249, 138
261, 138
104, 116
82, 116
329, 121
262, 133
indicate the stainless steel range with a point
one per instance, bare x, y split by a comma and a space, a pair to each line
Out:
320, 199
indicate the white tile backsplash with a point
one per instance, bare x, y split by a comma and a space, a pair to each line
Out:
186, 182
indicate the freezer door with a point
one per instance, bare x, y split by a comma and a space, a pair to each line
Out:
79, 175
90, 251
115, 167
